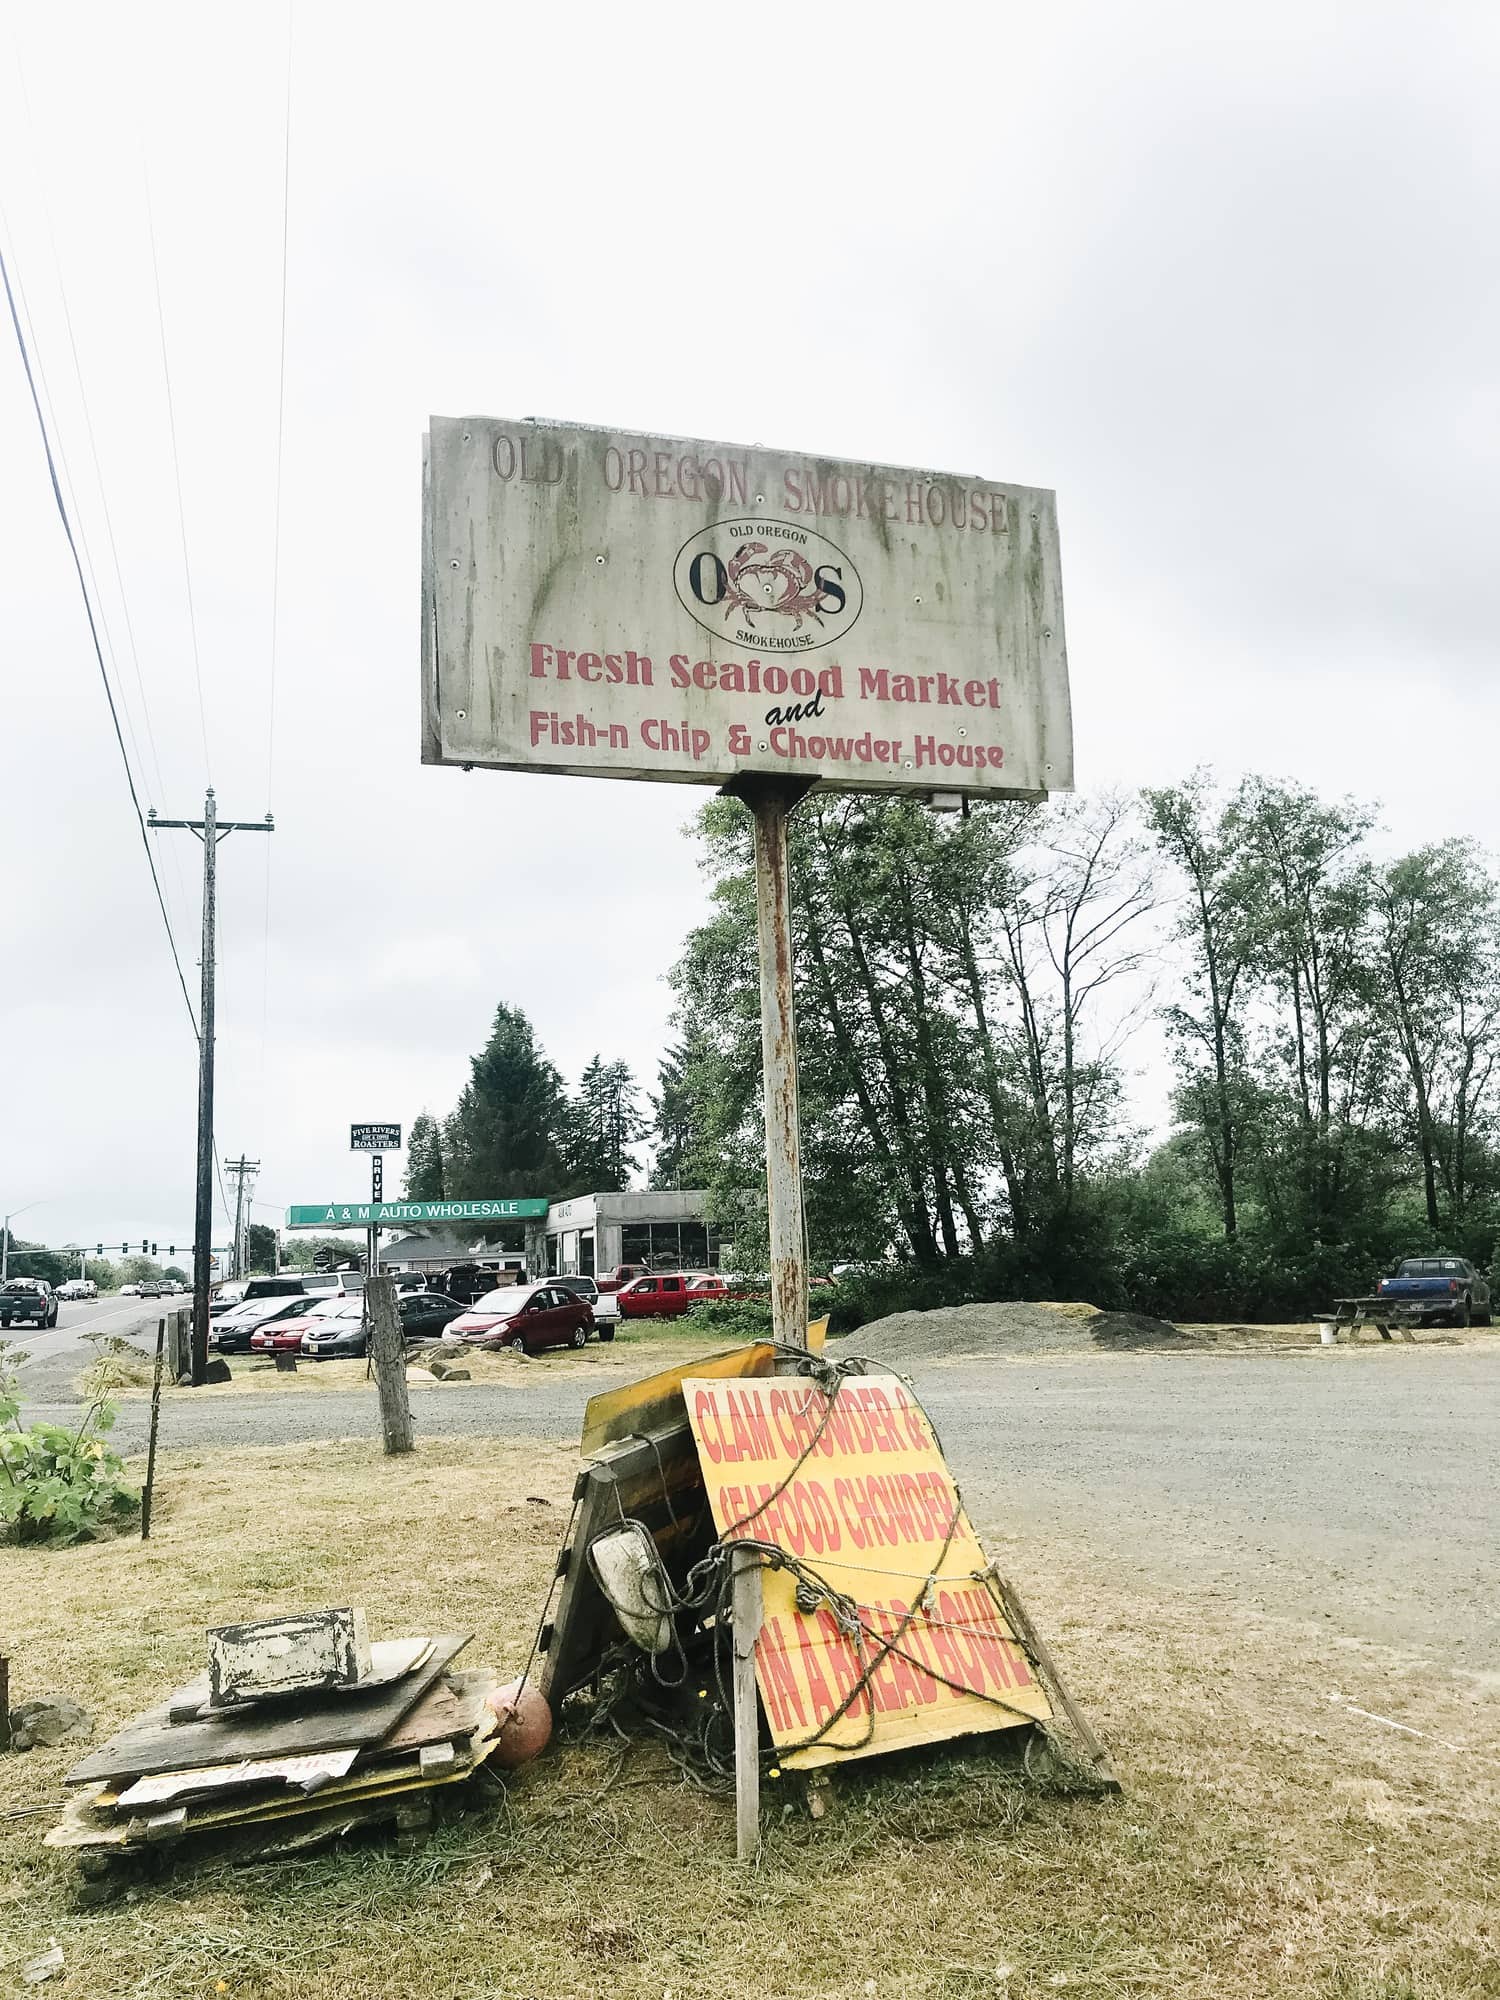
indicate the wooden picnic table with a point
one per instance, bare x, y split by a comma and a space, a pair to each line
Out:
1382, 1314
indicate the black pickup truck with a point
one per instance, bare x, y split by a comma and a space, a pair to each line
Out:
28, 1298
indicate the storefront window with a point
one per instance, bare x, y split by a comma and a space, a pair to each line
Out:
664, 1246
694, 1246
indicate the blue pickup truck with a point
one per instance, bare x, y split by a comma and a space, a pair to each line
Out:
1439, 1288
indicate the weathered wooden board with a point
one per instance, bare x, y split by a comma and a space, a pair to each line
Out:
152, 1743
94, 1822
447, 1713
300, 1654
390, 1660
656, 1403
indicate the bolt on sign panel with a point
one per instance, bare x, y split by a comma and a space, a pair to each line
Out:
612, 605
868, 1513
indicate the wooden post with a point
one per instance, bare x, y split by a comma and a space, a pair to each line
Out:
1033, 1643
745, 1631
179, 1345
150, 1487
388, 1354
771, 805
4, 1702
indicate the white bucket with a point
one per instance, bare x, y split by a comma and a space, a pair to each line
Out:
1327, 1335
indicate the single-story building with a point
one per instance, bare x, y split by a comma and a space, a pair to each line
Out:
434, 1252
662, 1227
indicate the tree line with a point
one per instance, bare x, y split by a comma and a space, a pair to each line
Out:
517, 1129
972, 994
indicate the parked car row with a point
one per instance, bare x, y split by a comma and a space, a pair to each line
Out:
152, 1288
267, 1316
325, 1328
78, 1288
334, 1329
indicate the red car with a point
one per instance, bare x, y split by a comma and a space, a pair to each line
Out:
526, 1318
664, 1297
284, 1335
618, 1275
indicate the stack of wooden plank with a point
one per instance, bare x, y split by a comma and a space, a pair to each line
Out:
288, 1771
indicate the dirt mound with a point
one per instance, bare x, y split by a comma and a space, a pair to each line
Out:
959, 1332
1128, 1329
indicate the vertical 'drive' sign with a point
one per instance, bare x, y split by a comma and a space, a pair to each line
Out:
604, 604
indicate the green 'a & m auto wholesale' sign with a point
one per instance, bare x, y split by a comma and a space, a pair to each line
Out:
385, 1214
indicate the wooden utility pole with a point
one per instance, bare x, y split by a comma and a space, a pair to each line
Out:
242, 1170
210, 830
388, 1356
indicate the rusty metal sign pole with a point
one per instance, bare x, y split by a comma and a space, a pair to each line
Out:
770, 805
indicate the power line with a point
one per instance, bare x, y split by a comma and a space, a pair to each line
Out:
286, 186
109, 526
277, 551
187, 571
114, 714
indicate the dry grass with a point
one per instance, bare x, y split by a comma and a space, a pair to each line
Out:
1269, 1843
635, 1351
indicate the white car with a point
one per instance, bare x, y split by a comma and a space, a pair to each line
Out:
130, 1291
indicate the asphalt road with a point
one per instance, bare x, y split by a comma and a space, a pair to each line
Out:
61, 1352
1354, 1487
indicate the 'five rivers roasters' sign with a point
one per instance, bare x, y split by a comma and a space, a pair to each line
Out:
611, 605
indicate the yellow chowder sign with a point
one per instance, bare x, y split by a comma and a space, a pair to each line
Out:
898, 1639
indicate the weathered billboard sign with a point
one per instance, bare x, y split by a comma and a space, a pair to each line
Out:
605, 604
903, 1642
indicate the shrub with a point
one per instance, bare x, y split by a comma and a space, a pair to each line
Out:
57, 1484
731, 1319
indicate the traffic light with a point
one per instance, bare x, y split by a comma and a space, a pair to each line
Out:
171, 1249
153, 1249
145, 1247
124, 1249
98, 1249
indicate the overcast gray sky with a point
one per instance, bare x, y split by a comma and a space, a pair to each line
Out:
1223, 276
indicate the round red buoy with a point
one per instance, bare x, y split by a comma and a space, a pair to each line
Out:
525, 1724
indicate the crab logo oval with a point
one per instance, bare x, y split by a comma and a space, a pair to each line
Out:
773, 587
